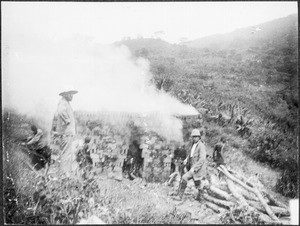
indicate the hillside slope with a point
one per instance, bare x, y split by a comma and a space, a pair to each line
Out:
33, 198
247, 94
259, 78
250, 36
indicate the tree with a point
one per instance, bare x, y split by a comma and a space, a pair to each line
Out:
159, 34
162, 77
183, 40
143, 52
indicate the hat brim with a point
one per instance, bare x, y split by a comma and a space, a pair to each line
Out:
69, 92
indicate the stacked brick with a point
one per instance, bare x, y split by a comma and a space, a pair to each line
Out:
157, 154
108, 148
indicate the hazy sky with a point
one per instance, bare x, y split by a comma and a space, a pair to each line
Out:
110, 22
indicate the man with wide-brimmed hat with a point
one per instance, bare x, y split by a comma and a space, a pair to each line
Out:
196, 159
65, 116
64, 124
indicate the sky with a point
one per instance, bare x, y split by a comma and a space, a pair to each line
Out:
48, 45
110, 22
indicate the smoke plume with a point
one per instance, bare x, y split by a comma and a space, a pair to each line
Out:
108, 78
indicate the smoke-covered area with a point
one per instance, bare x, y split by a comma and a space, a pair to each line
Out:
107, 77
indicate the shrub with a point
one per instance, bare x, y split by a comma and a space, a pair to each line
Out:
241, 215
235, 145
278, 149
288, 183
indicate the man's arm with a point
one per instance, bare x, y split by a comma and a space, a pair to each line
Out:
222, 151
187, 153
201, 151
54, 122
63, 114
214, 152
36, 138
202, 157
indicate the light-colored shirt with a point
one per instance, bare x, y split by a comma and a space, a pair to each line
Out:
65, 118
193, 148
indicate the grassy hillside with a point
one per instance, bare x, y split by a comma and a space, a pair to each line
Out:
31, 198
256, 79
268, 33
246, 93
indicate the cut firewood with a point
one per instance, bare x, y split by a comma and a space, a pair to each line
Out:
214, 207
133, 176
223, 186
285, 220
248, 195
265, 205
240, 177
268, 197
273, 201
220, 193
254, 190
278, 211
235, 193
265, 218
233, 178
219, 202
173, 177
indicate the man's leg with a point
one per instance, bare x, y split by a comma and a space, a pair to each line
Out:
182, 186
197, 185
201, 185
67, 157
172, 177
59, 159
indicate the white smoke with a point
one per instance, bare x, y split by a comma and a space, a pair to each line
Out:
107, 77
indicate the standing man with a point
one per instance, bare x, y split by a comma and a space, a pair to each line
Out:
197, 160
65, 116
218, 152
64, 126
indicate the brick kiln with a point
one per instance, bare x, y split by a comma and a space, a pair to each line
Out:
112, 142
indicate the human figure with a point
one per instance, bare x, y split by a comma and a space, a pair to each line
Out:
218, 152
178, 171
39, 149
197, 160
64, 127
179, 156
177, 166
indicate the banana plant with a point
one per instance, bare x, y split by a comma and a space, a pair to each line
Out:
243, 126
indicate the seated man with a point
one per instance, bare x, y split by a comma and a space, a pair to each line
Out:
41, 152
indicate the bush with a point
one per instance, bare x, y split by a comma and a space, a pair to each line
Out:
288, 183
241, 215
213, 134
279, 150
146, 215
235, 145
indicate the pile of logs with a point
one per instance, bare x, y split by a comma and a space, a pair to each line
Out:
228, 189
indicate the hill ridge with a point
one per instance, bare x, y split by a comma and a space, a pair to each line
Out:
248, 34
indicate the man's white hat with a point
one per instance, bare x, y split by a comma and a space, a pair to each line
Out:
195, 133
68, 89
